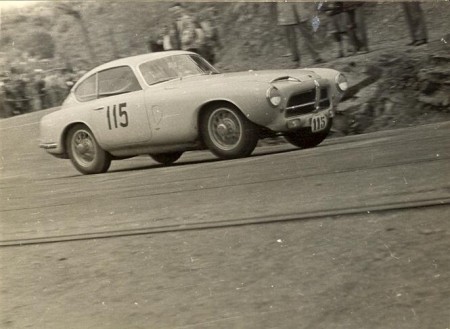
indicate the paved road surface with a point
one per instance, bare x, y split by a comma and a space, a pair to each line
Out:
351, 234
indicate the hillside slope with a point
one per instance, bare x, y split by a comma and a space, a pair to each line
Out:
412, 87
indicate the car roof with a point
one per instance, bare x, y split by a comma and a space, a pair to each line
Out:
132, 61
138, 59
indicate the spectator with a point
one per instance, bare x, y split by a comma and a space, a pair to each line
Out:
348, 20
212, 39
361, 29
188, 33
56, 87
154, 46
39, 85
338, 26
9, 103
49, 81
349, 8
297, 15
416, 23
69, 81
167, 36
17, 100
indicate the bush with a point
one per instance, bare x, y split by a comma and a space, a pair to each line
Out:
40, 44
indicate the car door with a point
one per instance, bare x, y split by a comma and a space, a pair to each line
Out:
171, 101
119, 112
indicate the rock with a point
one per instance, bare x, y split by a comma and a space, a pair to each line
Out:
388, 107
341, 124
379, 110
440, 99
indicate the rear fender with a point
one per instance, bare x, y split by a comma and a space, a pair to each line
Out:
63, 137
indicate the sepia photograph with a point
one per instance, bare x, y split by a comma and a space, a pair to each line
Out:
224, 164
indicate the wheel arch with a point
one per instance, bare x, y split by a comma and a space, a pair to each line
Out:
207, 106
65, 132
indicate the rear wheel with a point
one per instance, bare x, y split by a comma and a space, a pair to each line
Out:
305, 138
166, 158
85, 153
227, 133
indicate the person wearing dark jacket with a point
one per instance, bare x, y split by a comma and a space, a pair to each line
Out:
416, 23
295, 16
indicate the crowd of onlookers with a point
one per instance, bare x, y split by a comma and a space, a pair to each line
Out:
346, 24
189, 32
21, 93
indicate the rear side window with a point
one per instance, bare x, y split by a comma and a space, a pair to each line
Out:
110, 82
116, 81
87, 90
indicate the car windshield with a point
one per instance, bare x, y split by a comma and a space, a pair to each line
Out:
174, 67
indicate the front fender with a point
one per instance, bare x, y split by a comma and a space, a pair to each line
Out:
249, 98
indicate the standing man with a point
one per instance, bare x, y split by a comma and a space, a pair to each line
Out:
297, 15
16, 93
41, 92
212, 39
353, 30
188, 33
167, 38
416, 23
338, 24
361, 28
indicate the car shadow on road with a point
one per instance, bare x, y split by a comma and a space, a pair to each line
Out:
188, 162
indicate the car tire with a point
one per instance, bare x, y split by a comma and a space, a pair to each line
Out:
85, 153
228, 133
305, 138
166, 158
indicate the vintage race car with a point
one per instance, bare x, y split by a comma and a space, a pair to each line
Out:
163, 104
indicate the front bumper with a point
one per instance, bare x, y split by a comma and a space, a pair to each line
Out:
48, 146
305, 120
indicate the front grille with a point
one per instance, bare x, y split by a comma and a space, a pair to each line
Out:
305, 102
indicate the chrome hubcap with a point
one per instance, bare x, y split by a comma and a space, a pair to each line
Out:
83, 147
224, 128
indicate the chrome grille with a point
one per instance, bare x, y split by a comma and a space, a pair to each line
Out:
305, 102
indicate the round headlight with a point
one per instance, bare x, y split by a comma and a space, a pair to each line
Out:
273, 96
341, 82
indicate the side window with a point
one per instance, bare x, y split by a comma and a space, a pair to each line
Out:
87, 90
115, 81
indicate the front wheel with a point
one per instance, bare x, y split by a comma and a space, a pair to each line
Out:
166, 158
85, 153
227, 133
305, 138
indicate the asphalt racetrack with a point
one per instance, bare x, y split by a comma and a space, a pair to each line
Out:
351, 234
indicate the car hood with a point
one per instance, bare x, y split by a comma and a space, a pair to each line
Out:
251, 77
270, 75
265, 76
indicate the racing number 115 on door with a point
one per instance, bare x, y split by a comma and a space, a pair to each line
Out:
117, 116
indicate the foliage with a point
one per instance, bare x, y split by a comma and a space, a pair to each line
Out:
248, 30
40, 45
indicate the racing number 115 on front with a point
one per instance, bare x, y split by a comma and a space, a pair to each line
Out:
117, 116
318, 122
